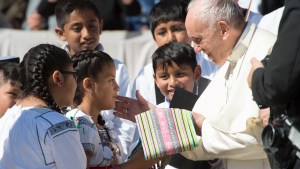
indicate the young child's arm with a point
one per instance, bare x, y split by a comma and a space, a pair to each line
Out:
139, 162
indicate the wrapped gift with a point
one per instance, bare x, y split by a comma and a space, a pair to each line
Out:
166, 131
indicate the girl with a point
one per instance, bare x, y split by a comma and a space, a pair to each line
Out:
34, 133
96, 91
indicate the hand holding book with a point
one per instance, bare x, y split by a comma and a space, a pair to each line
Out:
166, 131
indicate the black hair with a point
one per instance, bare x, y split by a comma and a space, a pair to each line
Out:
88, 63
167, 10
179, 53
37, 66
10, 72
64, 8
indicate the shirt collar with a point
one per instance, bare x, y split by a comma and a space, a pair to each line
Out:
66, 47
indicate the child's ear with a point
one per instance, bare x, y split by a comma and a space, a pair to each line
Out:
101, 25
88, 84
60, 33
57, 78
197, 73
154, 77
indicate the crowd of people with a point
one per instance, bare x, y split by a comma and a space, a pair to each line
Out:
74, 107
39, 14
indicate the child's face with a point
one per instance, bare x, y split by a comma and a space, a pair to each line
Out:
174, 76
106, 88
81, 31
8, 95
172, 31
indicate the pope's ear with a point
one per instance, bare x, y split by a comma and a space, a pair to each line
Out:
60, 33
223, 28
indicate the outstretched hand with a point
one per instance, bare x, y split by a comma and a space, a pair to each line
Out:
127, 108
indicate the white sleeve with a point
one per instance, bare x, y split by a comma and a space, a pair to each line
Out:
144, 82
271, 21
137, 84
67, 150
123, 80
217, 144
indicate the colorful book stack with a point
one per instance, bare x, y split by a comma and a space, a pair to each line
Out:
166, 131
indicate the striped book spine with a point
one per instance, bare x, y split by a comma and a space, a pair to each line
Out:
166, 131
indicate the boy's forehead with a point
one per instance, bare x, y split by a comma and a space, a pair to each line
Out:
7, 81
169, 22
83, 15
11, 85
1, 77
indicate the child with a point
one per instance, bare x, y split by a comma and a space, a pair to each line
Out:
167, 20
97, 90
80, 25
9, 85
174, 65
167, 25
34, 133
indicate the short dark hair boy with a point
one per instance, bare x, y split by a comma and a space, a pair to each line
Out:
9, 85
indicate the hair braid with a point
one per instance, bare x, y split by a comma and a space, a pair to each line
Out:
37, 66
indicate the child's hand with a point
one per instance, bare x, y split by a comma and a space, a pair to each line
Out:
127, 107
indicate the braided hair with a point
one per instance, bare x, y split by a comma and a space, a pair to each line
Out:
89, 63
37, 66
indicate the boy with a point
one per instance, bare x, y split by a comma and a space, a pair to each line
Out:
9, 85
174, 65
166, 26
167, 22
80, 25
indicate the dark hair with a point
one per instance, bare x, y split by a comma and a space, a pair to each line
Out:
64, 8
177, 52
37, 66
10, 71
167, 10
88, 63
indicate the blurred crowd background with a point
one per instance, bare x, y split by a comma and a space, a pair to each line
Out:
129, 15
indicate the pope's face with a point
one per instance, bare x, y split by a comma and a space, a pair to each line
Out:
204, 38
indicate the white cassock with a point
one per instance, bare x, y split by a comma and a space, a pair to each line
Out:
229, 130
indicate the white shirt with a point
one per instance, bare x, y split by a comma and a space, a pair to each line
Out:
39, 138
254, 18
270, 22
91, 140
